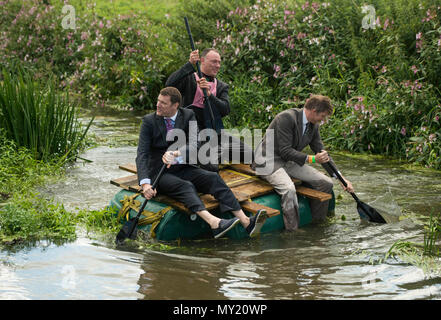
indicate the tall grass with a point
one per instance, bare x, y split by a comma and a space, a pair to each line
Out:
37, 117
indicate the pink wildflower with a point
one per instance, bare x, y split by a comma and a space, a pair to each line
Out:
403, 131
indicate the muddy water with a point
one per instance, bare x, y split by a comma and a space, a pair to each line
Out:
340, 259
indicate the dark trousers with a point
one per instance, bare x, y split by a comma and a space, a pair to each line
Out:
183, 182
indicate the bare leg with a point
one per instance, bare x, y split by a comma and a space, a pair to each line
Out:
209, 218
244, 220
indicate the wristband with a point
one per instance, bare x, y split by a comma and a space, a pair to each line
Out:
313, 159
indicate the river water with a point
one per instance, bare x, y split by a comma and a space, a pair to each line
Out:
340, 259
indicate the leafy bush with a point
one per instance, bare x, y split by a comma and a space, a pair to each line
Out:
31, 218
117, 61
203, 17
383, 86
19, 171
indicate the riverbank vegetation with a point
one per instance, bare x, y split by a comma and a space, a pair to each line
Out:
425, 255
379, 64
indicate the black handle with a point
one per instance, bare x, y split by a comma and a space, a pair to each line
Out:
154, 185
334, 169
193, 48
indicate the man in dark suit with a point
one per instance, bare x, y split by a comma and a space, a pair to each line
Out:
182, 180
188, 83
279, 157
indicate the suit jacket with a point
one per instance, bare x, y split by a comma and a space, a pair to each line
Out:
153, 142
184, 80
288, 141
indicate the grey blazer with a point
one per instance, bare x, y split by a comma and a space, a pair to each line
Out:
285, 133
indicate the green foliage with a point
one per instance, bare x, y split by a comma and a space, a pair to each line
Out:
424, 255
203, 17
30, 218
103, 221
385, 90
117, 60
19, 171
274, 54
40, 119
432, 236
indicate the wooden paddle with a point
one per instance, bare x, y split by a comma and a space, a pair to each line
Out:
129, 229
365, 211
207, 102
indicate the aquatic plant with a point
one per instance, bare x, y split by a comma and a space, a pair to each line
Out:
432, 236
19, 171
30, 218
425, 255
99, 221
37, 117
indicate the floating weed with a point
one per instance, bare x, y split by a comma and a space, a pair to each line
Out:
424, 255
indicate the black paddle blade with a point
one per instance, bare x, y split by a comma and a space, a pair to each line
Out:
366, 212
128, 230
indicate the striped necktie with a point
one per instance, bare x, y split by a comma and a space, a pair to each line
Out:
308, 129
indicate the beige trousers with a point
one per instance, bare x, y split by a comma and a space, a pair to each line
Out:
283, 185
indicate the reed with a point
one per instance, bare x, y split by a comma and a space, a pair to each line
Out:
424, 255
39, 118
432, 236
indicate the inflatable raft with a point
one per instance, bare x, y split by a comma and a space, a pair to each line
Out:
166, 219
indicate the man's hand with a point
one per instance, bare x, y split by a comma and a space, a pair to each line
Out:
204, 84
349, 187
322, 157
169, 157
147, 191
194, 57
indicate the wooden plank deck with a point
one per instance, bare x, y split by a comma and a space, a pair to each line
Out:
239, 177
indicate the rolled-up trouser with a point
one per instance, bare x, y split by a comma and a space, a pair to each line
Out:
281, 180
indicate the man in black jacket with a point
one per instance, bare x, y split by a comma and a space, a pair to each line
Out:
191, 87
182, 180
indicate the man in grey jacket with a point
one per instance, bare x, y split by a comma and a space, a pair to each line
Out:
279, 157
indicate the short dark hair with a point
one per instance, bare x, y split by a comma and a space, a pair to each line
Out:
319, 103
173, 93
207, 50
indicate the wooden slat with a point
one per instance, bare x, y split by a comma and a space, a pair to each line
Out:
246, 169
254, 207
125, 182
130, 167
313, 194
243, 168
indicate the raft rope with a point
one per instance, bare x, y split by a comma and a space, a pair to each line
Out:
246, 176
153, 218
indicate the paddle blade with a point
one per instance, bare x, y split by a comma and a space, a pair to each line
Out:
366, 212
128, 230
